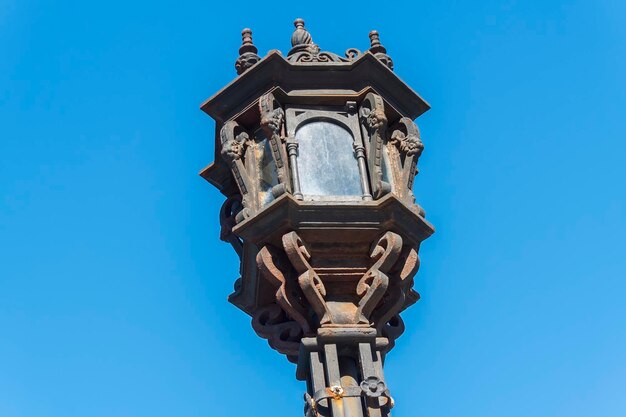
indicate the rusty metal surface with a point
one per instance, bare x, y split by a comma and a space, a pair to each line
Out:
324, 277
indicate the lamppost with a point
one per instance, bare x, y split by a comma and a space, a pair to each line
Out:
316, 155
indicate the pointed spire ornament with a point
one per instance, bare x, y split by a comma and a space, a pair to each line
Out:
247, 52
300, 36
379, 50
301, 40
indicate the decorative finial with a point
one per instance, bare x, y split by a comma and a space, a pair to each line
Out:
375, 40
379, 50
246, 40
247, 52
300, 36
304, 50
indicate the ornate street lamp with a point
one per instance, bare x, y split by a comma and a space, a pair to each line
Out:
316, 155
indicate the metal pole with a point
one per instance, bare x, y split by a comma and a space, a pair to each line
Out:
353, 406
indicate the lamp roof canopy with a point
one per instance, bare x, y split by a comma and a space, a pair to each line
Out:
307, 71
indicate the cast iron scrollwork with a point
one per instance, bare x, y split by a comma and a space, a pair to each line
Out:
288, 295
352, 53
313, 54
304, 50
311, 284
392, 330
231, 208
284, 335
373, 286
400, 283
374, 125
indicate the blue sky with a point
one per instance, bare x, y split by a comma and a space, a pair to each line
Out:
113, 282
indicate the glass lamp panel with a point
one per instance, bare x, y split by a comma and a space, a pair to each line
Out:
386, 168
266, 167
326, 160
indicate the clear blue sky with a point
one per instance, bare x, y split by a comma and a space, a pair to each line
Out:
113, 282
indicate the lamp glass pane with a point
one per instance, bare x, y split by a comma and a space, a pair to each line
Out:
326, 160
268, 175
386, 168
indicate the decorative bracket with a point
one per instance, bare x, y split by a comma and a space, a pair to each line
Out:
374, 283
272, 119
374, 126
311, 284
274, 268
234, 140
400, 293
407, 147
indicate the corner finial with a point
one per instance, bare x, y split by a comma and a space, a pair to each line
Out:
246, 40
375, 40
300, 36
247, 52
379, 50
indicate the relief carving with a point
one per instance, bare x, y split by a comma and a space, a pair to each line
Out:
374, 125
405, 139
247, 53
272, 119
234, 140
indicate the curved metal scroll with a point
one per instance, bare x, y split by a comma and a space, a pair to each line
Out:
288, 296
231, 208
282, 334
392, 330
400, 294
311, 284
374, 283
313, 54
